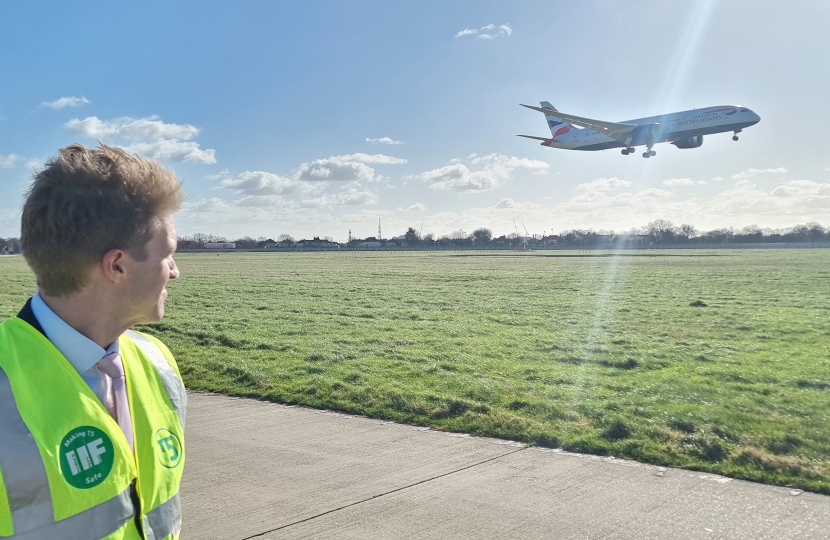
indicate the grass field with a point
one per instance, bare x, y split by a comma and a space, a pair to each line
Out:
717, 361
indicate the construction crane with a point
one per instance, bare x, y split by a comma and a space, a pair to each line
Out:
525, 228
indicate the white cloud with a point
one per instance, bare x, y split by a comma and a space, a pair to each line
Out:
323, 169
604, 184
173, 150
8, 161
741, 203
384, 140
500, 160
367, 158
416, 207
672, 182
503, 31
369, 218
345, 168
497, 170
264, 201
151, 137
749, 173
542, 172
510, 203
221, 175
350, 196
811, 191
73, 101
136, 129
259, 183
212, 205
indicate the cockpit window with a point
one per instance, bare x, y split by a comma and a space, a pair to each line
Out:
744, 110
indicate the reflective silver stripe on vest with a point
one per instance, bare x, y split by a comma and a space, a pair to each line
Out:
27, 486
171, 381
164, 520
23, 472
96, 522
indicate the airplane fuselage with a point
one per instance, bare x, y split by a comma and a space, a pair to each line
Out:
677, 128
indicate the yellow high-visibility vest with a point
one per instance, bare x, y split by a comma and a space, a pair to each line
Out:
66, 468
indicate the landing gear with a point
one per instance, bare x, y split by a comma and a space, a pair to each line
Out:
649, 152
735, 136
626, 151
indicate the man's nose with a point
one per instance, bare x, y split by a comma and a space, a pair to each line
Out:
174, 270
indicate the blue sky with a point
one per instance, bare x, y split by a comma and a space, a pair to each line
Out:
266, 110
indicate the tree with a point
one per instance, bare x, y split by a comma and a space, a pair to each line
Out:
482, 236
661, 231
460, 238
720, 235
246, 242
411, 236
687, 231
285, 240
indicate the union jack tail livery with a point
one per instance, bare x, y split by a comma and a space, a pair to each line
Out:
557, 125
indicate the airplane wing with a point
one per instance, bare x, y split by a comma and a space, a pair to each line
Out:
620, 132
537, 138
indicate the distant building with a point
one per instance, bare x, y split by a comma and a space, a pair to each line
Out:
267, 244
220, 245
317, 243
399, 240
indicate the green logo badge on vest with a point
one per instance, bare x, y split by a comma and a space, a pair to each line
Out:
168, 448
87, 456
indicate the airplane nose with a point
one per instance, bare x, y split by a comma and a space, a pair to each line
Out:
755, 118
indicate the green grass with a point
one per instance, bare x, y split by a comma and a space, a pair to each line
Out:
717, 361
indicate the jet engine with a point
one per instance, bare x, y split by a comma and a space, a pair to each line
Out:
691, 142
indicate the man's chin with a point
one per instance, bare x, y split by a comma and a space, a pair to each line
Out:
152, 317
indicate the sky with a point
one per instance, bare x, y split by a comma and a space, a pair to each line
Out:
320, 118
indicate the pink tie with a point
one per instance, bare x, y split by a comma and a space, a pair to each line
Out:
115, 390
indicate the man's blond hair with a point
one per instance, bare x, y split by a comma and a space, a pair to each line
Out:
86, 202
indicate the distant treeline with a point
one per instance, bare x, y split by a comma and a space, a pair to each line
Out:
656, 233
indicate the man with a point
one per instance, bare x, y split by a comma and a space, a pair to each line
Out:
91, 413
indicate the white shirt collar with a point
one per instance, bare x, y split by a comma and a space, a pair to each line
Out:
82, 352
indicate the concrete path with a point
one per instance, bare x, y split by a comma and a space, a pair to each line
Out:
260, 470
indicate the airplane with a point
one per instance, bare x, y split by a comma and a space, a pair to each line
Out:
683, 129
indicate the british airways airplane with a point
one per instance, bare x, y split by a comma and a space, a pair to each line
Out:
683, 129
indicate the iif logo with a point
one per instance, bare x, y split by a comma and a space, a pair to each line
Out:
168, 448
86, 455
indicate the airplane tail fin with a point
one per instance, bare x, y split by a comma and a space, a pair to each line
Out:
557, 125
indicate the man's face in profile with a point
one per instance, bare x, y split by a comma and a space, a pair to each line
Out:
148, 278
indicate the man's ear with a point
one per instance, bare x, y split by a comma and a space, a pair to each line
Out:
112, 265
